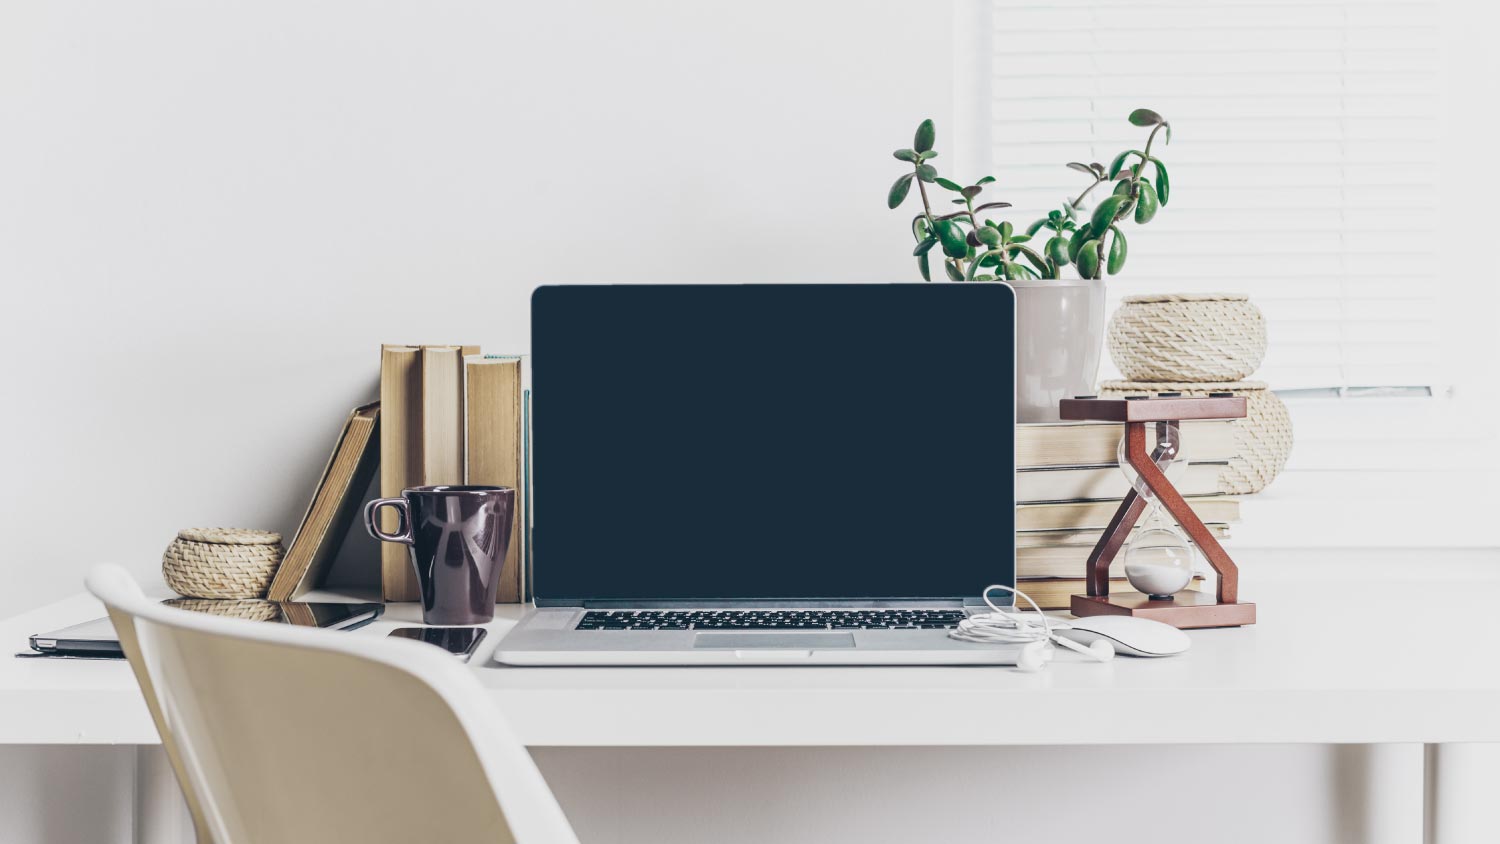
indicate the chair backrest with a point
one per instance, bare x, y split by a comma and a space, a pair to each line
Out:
287, 734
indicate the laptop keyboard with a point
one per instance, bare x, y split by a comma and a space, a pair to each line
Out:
873, 619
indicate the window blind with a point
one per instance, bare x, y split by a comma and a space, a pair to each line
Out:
1303, 162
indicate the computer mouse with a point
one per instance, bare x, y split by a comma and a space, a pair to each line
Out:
1128, 635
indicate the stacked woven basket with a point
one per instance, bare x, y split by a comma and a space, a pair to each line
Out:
1201, 344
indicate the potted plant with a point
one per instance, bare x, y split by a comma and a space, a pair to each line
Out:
1059, 311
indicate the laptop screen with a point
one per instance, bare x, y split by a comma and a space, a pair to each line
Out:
772, 442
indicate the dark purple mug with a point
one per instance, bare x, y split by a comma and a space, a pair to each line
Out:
457, 536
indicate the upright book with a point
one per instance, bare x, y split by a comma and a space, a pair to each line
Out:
400, 457
335, 501
492, 448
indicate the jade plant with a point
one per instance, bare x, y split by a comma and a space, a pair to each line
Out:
975, 247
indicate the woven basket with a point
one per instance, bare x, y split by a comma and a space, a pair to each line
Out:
248, 609
221, 562
1186, 337
1263, 438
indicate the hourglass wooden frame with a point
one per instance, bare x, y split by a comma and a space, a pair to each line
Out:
1188, 608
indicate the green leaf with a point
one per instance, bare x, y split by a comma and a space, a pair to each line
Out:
926, 136
989, 259
1168, 127
1020, 238
985, 277
960, 202
898, 191
1070, 211
1142, 117
1119, 161
1088, 260
986, 180
1123, 188
924, 246
948, 183
954, 273
1163, 185
923, 266
926, 172
952, 238
923, 156
1057, 250
1080, 167
919, 230
1054, 216
1035, 227
906, 155
1117, 249
1146, 207
1075, 243
1106, 212
1006, 229
991, 205
987, 236
972, 191
1040, 262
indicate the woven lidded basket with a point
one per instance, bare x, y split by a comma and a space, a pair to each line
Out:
221, 562
1263, 438
1187, 337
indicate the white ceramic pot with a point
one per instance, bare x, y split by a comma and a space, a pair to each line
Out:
1059, 337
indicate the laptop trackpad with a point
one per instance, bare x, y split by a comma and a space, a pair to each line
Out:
786, 641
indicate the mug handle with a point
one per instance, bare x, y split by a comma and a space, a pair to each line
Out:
403, 511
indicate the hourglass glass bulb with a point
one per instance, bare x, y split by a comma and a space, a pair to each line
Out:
1158, 558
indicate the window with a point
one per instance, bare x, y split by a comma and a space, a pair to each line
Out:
1303, 161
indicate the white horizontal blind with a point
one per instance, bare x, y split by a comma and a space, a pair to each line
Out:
1302, 161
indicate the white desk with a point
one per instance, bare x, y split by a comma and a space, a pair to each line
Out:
1369, 667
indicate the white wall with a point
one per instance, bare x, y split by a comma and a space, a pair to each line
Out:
212, 213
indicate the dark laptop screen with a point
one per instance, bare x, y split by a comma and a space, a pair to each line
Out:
727, 442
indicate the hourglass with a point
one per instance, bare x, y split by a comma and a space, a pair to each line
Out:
1158, 560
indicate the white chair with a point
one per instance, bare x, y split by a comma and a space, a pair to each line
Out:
281, 734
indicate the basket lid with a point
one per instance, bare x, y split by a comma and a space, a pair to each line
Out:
1152, 298
230, 536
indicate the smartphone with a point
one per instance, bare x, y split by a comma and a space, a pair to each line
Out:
459, 641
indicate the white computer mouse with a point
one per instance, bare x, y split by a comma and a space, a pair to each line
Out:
1128, 635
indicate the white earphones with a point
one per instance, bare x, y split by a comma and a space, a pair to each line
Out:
1000, 627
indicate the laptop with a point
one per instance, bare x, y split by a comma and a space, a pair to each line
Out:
768, 474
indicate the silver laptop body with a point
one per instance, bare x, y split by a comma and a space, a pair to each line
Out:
611, 528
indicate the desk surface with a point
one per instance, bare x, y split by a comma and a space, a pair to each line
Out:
1374, 665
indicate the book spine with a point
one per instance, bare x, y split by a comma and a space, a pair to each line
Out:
442, 415
492, 448
400, 458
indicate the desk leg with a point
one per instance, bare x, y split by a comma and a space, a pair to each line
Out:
1459, 805
161, 814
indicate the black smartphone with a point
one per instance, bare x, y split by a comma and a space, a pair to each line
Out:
459, 641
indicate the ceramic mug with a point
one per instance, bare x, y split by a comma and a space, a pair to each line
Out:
457, 536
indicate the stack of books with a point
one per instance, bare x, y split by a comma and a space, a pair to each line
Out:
449, 415
1069, 484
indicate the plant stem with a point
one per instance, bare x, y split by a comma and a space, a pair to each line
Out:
922, 189
1076, 202
1145, 157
